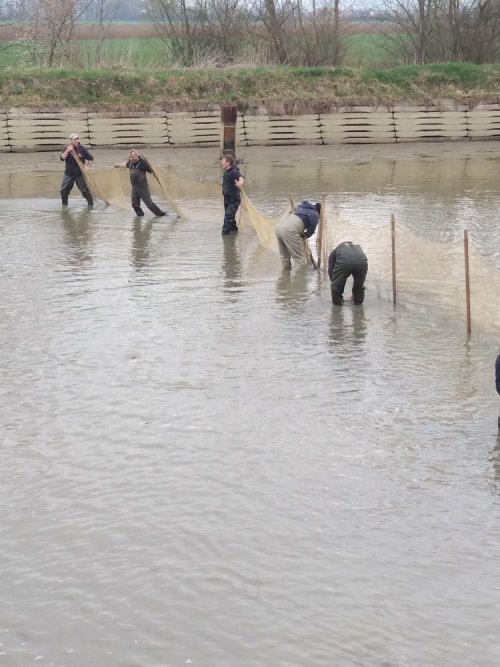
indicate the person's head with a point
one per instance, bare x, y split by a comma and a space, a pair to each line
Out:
227, 162
74, 138
133, 155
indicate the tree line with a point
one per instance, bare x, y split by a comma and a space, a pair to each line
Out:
266, 32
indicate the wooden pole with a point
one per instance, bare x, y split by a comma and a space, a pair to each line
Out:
321, 242
467, 281
228, 116
393, 252
290, 201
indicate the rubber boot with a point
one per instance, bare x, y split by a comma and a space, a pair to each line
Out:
138, 211
157, 211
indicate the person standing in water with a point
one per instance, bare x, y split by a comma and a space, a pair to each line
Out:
292, 231
72, 172
232, 182
347, 260
138, 168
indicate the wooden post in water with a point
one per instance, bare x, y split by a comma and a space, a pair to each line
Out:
393, 252
467, 281
321, 240
228, 116
291, 203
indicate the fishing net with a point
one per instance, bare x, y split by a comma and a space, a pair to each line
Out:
112, 186
251, 220
428, 273
265, 227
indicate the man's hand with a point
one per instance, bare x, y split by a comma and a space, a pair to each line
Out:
239, 183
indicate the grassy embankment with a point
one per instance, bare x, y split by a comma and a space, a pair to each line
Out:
281, 89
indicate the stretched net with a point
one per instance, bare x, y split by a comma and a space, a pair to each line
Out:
429, 273
113, 187
252, 220
265, 227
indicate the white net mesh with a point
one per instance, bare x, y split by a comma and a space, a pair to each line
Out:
428, 273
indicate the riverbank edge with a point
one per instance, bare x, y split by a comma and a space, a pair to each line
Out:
25, 130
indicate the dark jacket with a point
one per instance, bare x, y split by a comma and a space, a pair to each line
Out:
497, 373
348, 253
309, 215
72, 169
229, 188
137, 171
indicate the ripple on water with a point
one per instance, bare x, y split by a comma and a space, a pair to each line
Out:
204, 463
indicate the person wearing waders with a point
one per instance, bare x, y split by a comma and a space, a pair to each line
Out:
72, 172
347, 260
138, 167
292, 231
232, 182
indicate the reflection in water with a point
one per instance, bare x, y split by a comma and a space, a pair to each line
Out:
347, 327
231, 264
495, 461
236, 465
292, 288
141, 239
79, 235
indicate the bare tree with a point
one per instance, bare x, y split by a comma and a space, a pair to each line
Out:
181, 24
426, 31
230, 20
321, 32
475, 30
50, 25
275, 15
410, 28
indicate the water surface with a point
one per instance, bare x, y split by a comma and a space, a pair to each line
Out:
205, 463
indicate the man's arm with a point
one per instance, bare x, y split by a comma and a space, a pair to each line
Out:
497, 373
66, 152
331, 263
310, 225
145, 166
87, 155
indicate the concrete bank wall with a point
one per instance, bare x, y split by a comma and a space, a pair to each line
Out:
23, 129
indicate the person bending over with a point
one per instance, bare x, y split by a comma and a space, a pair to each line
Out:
232, 182
72, 172
347, 260
138, 167
298, 225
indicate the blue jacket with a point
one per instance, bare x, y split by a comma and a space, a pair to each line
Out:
309, 216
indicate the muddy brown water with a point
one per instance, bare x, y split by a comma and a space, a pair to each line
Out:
204, 463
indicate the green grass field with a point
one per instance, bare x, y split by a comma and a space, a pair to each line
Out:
135, 53
140, 53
